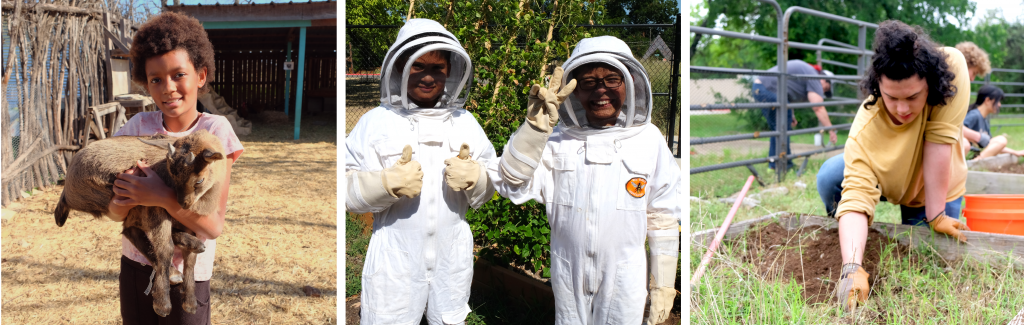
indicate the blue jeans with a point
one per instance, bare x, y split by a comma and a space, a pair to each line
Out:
763, 95
830, 188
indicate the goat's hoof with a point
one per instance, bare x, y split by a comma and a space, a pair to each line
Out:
162, 310
175, 278
189, 306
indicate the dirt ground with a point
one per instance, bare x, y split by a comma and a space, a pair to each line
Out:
1010, 169
811, 257
280, 236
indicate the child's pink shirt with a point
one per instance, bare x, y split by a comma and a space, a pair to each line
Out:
151, 123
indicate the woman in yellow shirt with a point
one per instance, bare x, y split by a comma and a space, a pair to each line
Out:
904, 147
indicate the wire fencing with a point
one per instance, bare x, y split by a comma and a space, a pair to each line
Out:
1011, 81
738, 95
731, 120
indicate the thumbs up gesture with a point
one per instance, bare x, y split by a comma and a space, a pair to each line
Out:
461, 173
405, 178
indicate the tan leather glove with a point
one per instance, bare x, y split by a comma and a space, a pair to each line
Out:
853, 287
542, 108
662, 299
946, 225
405, 178
524, 150
461, 172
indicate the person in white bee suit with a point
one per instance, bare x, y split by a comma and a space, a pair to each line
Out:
418, 162
608, 181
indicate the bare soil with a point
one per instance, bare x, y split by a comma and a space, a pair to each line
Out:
1010, 169
811, 256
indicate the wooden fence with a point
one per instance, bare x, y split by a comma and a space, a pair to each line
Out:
56, 60
255, 81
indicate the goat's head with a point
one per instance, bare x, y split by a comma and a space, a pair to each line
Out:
192, 162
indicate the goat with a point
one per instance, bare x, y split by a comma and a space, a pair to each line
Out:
198, 183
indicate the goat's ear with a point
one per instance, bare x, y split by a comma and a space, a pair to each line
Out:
211, 156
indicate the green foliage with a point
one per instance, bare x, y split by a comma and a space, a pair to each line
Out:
367, 46
356, 244
509, 46
946, 22
509, 233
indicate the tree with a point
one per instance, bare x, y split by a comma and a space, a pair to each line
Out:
366, 47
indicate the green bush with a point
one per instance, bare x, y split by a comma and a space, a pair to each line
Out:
516, 234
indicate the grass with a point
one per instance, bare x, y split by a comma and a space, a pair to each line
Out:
725, 182
708, 212
928, 291
728, 124
932, 291
356, 244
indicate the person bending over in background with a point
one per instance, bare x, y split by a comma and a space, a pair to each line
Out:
904, 146
608, 182
420, 256
798, 90
989, 100
977, 65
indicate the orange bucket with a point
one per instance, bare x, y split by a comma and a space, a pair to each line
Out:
995, 213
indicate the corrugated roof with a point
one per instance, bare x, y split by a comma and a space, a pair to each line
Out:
204, 3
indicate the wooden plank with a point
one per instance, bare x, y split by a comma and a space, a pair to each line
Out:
994, 183
990, 163
703, 238
981, 247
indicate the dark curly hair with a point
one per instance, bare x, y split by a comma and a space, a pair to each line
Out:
168, 32
902, 51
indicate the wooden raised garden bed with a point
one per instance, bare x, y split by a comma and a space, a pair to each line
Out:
995, 175
981, 246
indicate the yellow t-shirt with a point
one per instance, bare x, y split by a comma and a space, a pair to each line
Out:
883, 158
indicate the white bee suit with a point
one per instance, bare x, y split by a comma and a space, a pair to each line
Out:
421, 252
598, 225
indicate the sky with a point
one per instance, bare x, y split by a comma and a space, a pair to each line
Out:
1012, 9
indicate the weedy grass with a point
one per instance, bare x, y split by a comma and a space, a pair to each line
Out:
928, 291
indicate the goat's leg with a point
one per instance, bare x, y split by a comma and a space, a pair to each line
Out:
187, 242
163, 250
189, 284
138, 238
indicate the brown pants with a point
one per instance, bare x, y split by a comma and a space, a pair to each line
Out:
137, 307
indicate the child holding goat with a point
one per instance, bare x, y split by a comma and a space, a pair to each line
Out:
173, 59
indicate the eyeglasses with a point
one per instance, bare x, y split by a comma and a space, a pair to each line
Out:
609, 82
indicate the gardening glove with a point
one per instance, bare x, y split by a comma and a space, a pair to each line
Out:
526, 146
664, 258
405, 178
853, 286
461, 172
946, 225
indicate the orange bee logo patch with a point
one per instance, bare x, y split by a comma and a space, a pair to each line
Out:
636, 187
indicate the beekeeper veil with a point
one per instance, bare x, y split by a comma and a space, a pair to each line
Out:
416, 38
636, 107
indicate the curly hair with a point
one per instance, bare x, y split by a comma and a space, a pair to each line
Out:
976, 57
167, 32
902, 51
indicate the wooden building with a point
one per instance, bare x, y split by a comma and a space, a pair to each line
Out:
253, 42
